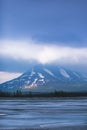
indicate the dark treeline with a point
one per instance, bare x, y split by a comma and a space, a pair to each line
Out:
53, 94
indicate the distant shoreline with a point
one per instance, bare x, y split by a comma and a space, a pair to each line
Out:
58, 94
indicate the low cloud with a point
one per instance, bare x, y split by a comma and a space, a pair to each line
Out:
42, 52
5, 76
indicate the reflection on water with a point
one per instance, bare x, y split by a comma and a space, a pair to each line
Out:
42, 113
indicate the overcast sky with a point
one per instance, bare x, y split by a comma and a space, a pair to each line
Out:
44, 31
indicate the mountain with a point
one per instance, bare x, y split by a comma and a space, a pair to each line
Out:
47, 78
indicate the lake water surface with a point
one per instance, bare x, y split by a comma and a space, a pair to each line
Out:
43, 113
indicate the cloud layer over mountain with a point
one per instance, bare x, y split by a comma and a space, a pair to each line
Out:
43, 53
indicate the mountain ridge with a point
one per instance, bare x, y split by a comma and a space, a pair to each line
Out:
47, 78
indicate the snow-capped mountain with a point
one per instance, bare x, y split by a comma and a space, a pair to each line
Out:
46, 78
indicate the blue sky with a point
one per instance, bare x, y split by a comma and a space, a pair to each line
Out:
49, 25
45, 20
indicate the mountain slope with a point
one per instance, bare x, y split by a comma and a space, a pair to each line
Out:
47, 78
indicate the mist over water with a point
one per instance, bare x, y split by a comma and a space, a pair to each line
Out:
17, 113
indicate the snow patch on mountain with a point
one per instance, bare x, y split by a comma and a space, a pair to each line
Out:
35, 80
76, 74
42, 80
40, 75
32, 73
28, 82
64, 73
49, 72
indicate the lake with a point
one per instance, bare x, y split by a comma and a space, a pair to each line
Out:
43, 113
